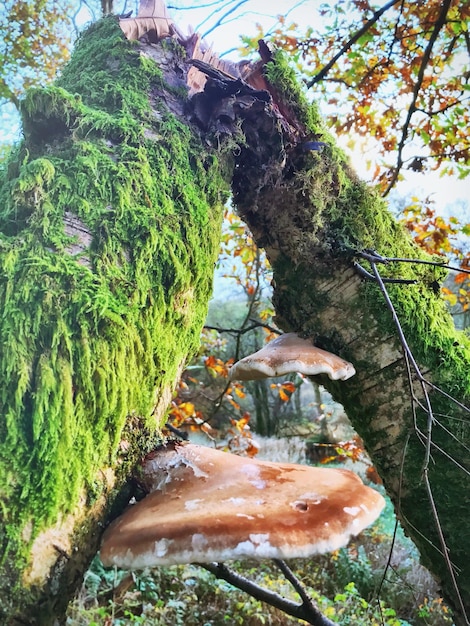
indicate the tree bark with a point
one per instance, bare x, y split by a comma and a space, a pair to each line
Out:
312, 215
110, 226
96, 328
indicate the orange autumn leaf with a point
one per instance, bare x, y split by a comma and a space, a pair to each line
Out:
285, 390
289, 386
373, 475
187, 408
239, 392
328, 459
216, 366
231, 401
461, 277
241, 423
252, 448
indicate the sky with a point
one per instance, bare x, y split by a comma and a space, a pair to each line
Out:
198, 16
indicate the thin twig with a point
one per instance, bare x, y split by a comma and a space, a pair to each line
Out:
368, 276
395, 32
412, 364
453, 268
299, 588
247, 329
198, 6
374, 257
395, 530
221, 19
176, 431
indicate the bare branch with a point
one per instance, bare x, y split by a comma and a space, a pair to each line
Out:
222, 18
357, 35
198, 6
246, 329
419, 81
395, 33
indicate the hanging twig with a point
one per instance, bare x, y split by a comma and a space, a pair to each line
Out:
413, 369
371, 255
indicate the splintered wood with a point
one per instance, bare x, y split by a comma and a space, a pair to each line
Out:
153, 24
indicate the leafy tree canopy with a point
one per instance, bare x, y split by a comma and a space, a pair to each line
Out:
398, 74
34, 43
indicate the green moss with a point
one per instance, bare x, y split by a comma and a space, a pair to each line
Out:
330, 216
282, 76
93, 329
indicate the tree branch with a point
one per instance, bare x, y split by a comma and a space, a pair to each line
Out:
306, 611
419, 81
221, 19
175, 7
295, 582
395, 33
244, 330
357, 35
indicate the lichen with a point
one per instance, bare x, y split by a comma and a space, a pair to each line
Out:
90, 339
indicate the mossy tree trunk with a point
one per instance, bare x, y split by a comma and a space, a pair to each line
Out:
314, 217
110, 220
110, 216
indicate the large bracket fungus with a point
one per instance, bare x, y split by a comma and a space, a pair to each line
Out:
207, 505
287, 354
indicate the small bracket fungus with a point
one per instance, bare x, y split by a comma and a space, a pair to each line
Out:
215, 506
290, 353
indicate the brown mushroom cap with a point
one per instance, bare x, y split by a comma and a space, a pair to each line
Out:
290, 353
210, 505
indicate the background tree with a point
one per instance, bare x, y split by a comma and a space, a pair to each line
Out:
400, 77
35, 43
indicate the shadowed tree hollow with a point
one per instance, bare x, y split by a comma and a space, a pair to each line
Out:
110, 220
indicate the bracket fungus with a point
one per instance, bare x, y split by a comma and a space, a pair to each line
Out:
290, 353
207, 505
